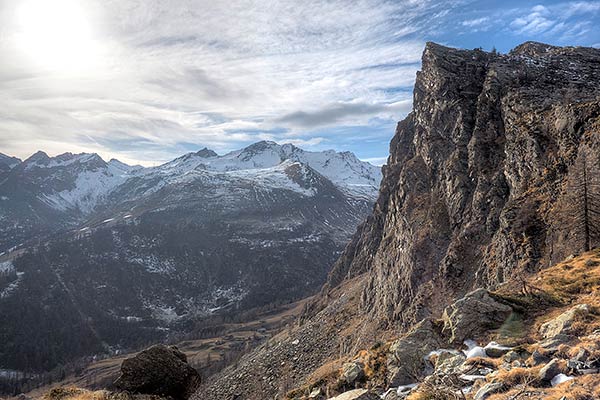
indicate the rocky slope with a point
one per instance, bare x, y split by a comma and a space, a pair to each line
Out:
115, 257
471, 197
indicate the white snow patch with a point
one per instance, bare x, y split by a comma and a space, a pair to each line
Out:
165, 313
560, 378
6, 267
12, 286
476, 351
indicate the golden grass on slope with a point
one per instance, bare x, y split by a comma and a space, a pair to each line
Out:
581, 388
484, 362
519, 376
429, 392
556, 289
73, 393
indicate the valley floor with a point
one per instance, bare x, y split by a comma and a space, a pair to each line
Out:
206, 355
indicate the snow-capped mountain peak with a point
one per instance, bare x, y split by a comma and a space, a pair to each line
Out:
343, 169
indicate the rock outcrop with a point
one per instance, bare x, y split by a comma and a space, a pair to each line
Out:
474, 314
161, 371
475, 174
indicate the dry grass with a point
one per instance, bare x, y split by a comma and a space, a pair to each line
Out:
556, 289
430, 392
73, 393
581, 388
326, 375
375, 360
484, 362
519, 376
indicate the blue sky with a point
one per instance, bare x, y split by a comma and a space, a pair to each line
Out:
147, 80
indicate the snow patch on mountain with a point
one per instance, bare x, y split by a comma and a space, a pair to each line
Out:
90, 187
6, 267
344, 169
266, 166
8, 290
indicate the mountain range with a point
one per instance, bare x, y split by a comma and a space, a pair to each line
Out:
102, 256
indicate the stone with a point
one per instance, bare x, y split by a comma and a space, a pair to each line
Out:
316, 393
582, 355
496, 350
511, 356
449, 362
352, 372
488, 390
560, 378
357, 394
159, 370
473, 315
551, 344
562, 324
406, 357
550, 370
538, 358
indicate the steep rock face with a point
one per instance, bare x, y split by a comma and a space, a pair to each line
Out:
469, 196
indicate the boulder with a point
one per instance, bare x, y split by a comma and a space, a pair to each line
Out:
550, 370
552, 344
473, 315
562, 324
159, 370
496, 350
406, 358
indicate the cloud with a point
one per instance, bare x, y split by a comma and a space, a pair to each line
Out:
565, 21
337, 112
213, 73
376, 160
170, 74
477, 22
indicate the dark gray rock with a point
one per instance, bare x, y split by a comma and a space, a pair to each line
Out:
159, 370
472, 315
488, 390
406, 355
539, 358
550, 370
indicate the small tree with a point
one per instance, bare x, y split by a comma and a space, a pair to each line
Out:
583, 200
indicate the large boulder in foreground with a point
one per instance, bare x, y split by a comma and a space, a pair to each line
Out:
474, 314
407, 355
159, 370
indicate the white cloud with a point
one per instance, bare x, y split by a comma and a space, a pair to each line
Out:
475, 23
204, 71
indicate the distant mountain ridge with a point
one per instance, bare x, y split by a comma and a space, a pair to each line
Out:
74, 186
112, 256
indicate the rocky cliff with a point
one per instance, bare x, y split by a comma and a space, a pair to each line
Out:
475, 175
471, 197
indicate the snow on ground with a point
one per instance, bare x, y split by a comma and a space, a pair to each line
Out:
7, 291
6, 267
90, 186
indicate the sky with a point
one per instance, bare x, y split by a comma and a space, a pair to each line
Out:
145, 81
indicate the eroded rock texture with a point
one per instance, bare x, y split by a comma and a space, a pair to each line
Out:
475, 174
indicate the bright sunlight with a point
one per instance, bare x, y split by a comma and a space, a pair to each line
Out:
57, 35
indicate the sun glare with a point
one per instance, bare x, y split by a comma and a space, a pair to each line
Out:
57, 34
